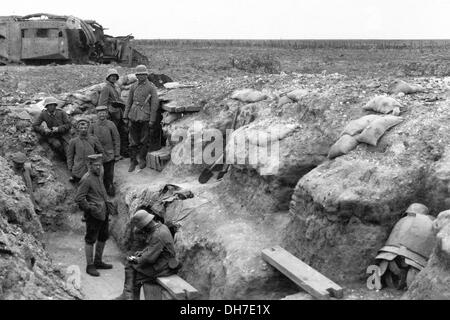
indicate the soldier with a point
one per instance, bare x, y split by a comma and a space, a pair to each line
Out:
110, 97
23, 168
156, 260
141, 116
80, 148
91, 197
107, 134
56, 126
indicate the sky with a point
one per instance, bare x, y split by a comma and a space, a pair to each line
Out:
255, 19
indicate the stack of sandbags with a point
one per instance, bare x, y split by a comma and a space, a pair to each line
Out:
248, 95
383, 104
398, 86
83, 99
124, 83
368, 129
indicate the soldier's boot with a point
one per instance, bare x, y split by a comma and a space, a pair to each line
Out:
90, 267
128, 285
133, 160
142, 155
98, 263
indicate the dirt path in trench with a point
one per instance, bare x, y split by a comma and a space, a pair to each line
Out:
67, 247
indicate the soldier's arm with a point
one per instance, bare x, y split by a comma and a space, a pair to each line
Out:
98, 148
37, 124
129, 102
116, 138
154, 104
104, 95
152, 252
70, 154
65, 127
80, 197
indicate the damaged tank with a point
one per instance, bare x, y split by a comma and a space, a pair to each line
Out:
44, 38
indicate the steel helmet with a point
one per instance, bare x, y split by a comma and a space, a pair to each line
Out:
112, 72
142, 218
412, 237
50, 100
417, 208
19, 157
141, 69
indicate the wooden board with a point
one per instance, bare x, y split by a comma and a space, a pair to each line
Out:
178, 288
302, 274
299, 296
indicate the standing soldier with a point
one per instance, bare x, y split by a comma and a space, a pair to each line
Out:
107, 134
110, 97
80, 148
23, 168
91, 197
141, 112
56, 128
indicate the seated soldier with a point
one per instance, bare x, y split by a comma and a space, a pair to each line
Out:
54, 126
156, 260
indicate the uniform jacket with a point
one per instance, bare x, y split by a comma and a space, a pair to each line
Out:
58, 120
91, 196
135, 109
108, 95
109, 138
78, 152
154, 259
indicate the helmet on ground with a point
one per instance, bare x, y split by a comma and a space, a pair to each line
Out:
142, 218
19, 157
413, 238
112, 72
50, 100
141, 69
417, 208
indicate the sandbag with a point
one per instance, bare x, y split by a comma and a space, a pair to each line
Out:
344, 145
284, 100
383, 104
377, 128
248, 95
402, 86
357, 126
297, 94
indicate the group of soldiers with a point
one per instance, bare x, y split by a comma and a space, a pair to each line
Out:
91, 157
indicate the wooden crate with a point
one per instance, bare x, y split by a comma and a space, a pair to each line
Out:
158, 159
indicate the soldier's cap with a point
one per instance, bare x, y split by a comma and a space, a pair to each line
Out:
82, 119
50, 100
95, 157
19, 157
101, 108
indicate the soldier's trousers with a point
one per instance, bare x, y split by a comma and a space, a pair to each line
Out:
108, 174
139, 135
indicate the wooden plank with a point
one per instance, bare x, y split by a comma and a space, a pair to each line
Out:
302, 274
178, 288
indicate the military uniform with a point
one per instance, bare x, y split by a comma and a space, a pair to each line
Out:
141, 110
78, 151
108, 96
91, 197
59, 140
109, 138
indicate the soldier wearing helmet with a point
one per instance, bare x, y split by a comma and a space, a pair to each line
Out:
53, 124
80, 148
408, 247
157, 259
110, 97
141, 114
